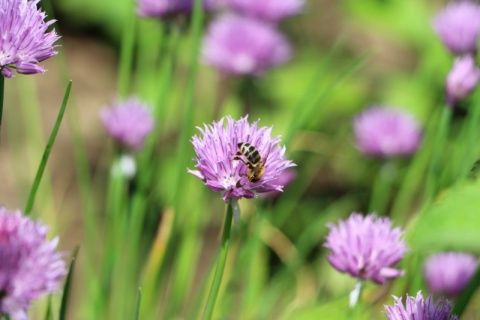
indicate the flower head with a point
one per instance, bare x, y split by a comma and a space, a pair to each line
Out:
366, 247
167, 8
269, 10
224, 170
24, 40
244, 46
449, 272
386, 133
30, 266
418, 308
458, 26
128, 122
462, 79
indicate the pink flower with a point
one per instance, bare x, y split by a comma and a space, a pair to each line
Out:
366, 247
216, 150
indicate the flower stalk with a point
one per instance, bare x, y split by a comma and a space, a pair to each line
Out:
222, 259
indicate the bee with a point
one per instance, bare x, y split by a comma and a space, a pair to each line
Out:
255, 164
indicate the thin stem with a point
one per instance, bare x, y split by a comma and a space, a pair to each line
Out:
2, 93
217, 278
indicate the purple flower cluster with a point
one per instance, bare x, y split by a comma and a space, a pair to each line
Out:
449, 272
417, 308
128, 122
387, 133
246, 40
216, 149
30, 266
268, 10
244, 46
462, 79
24, 40
366, 247
167, 8
458, 26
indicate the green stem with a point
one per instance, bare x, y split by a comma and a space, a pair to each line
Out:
126, 53
2, 94
438, 146
467, 295
222, 259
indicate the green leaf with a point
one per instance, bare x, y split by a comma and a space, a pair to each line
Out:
66, 289
452, 223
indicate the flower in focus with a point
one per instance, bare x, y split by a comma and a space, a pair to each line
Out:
462, 79
366, 247
449, 272
128, 122
386, 133
216, 149
167, 8
244, 46
24, 41
458, 26
30, 266
418, 308
269, 10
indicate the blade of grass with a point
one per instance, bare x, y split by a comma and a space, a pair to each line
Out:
48, 149
466, 295
66, 289
126, 51
48, 313
139, 300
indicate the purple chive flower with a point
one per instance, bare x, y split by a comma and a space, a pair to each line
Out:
24, 40
244, 46
269, 10
450, 272
386, 132
417, 308
128, 122
167, 8
30, 266
366, 247
458, 26
216, 148
462, 79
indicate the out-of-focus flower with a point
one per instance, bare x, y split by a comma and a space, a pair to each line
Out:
217, 147
449, 272
417, 308
244, 46
269, 10
284, 179
128, 122
384, 132
29, 264
458, 26
366, 247
168, 8
462, 79
24, 40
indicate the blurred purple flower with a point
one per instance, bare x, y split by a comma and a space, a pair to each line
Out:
417, 308
386, 132
128, 122
458, 26
241, 45
366, 247
462, 79
216, 149
29, 264
24, 40
167, 8
284, 179
268, 10
450, 272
